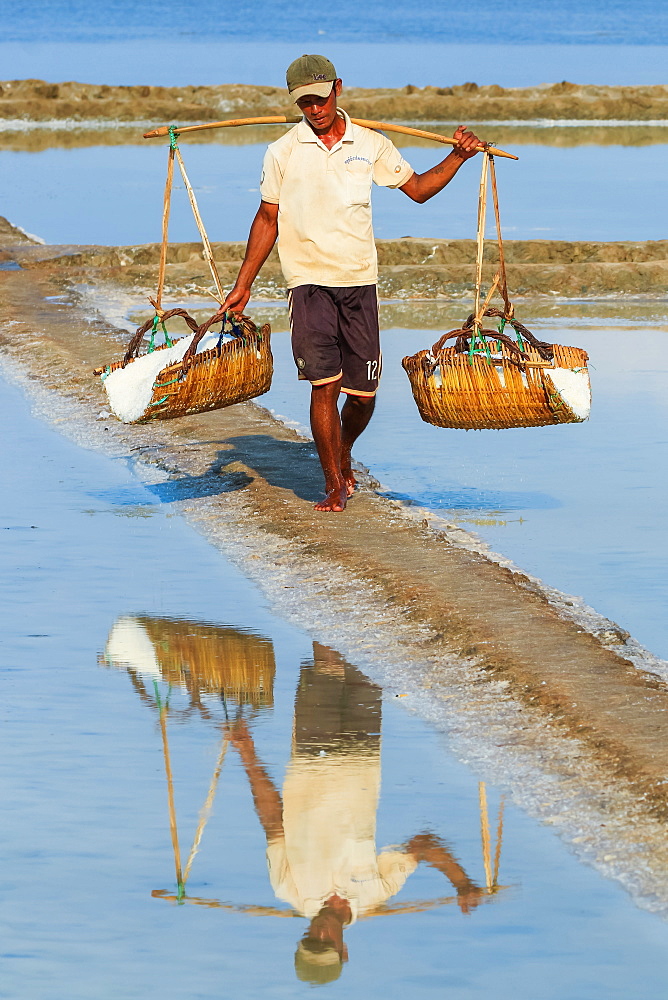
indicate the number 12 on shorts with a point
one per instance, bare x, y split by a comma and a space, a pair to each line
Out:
372, 370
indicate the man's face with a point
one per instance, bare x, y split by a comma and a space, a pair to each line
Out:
320, 112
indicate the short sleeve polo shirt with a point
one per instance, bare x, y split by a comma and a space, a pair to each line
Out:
325, 235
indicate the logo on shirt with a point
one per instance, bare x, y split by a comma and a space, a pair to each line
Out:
363, 159
301, 363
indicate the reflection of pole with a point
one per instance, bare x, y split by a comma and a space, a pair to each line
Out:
492, 879
499, 835
484, 833
170, 793
206, 808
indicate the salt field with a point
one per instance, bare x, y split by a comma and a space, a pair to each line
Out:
415, 749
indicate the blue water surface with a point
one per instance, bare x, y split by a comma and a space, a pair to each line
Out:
85, 830
518, 43
523, 22
580, 193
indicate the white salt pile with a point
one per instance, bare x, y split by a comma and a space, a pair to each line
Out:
130, 389
574, 388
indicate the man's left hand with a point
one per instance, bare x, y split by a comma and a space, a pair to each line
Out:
467, 144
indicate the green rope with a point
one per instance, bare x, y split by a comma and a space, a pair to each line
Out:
172, 137
168, 340
161, 385
158, 402
484, 346
487, 351
151, 344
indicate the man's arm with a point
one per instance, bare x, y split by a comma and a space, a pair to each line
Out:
261, 239
430, 849
422, 187
268, 803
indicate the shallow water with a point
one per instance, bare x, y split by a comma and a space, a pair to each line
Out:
580, 193
87, 549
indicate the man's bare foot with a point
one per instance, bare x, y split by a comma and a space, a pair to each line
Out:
335, 499
347, 472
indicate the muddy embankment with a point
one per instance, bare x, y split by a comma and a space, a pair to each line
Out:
531, 674
37, 100
410, 269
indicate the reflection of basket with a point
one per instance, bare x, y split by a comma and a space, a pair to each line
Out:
485, 380
234, 371
202, 658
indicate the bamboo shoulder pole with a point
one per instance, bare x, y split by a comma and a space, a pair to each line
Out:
292, 120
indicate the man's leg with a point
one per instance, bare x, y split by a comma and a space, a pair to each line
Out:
361, 364
355, 415
315, 345
326, 429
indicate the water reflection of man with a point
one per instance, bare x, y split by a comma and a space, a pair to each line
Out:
321, 836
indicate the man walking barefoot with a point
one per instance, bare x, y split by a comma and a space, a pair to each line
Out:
316, 199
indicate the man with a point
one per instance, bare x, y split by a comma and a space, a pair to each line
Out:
321, 832
315, 191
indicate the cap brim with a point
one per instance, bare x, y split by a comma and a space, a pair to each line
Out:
319, 89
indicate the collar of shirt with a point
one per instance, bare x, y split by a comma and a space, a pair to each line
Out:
306, 134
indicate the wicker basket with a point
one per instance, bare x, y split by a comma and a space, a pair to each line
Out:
234, 371
486, 381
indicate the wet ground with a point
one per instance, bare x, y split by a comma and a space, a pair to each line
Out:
111, 603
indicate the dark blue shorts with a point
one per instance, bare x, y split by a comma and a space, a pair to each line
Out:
335, 335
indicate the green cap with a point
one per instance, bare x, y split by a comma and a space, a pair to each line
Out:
310, 75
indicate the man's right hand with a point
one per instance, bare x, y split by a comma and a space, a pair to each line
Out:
236, 301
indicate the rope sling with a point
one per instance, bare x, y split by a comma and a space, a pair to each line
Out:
488, 379
239, 367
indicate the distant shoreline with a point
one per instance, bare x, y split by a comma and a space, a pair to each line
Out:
38, 100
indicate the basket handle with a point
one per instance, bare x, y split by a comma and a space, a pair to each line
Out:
240, 327
135, 342
544, 349
490, 334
